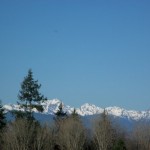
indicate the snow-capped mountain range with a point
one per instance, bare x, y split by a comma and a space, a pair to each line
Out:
51, 106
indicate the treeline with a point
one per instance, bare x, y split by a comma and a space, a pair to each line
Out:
66, 132
69, 133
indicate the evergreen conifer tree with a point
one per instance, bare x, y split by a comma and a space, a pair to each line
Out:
60, 113
29, 96
2, 117
74, 114
120, 145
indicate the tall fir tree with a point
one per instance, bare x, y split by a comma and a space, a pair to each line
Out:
29, 96
2, 117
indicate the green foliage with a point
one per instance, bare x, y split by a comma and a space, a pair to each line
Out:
74, 113
120, 145
29, 96
2, 124
2, 117
60, 113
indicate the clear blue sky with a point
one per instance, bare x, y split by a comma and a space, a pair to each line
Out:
80, 50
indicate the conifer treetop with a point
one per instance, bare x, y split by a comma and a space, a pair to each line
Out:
29, 95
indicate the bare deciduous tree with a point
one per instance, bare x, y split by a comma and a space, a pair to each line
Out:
71, 134
19, 135
44, 138
141, 136
103, 132
25, 135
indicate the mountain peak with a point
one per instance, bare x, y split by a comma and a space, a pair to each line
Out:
52, 106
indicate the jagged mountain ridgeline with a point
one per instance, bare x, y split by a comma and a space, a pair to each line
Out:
51, 107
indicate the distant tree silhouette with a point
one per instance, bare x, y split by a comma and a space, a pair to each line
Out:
75, 115
2, 117
60, 113
2, 124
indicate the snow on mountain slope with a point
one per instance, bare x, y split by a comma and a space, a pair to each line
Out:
89, 109
51, 106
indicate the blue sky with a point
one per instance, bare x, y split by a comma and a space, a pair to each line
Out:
79, 50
